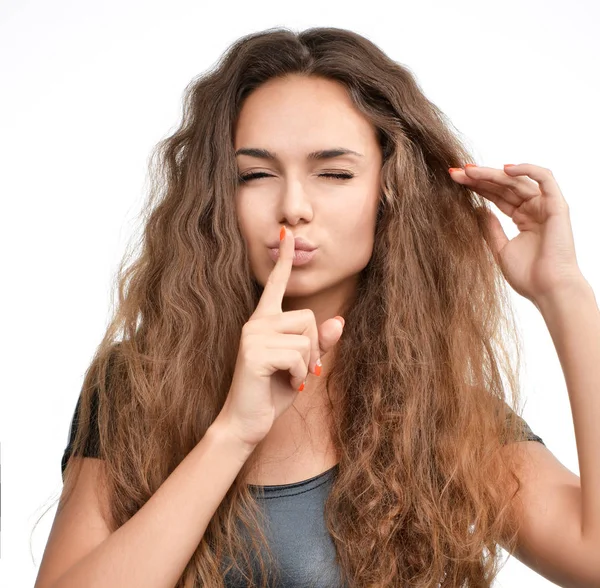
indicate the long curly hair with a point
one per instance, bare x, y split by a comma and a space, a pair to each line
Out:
424, 368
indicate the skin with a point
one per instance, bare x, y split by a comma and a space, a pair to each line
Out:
292, 117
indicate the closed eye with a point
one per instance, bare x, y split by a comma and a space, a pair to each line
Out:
248, 177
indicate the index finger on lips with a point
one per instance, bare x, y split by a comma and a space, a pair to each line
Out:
271, 299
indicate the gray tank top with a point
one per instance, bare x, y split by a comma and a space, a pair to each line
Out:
297, 534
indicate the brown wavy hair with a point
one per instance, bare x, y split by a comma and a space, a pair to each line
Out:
422, 493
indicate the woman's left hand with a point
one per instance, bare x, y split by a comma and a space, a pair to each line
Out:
541, 259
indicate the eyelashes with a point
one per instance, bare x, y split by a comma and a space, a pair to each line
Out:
331, 176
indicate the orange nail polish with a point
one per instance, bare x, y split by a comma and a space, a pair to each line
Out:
470, 165
453, 169
282, 233
301, 387
318, 367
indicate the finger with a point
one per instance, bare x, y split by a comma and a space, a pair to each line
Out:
492, 188
322, 339
330, 332
302, 322
543, 176
271, 300
300, 343
486, 180
498, 238
291, 361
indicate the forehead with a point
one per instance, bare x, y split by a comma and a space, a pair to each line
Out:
296, 115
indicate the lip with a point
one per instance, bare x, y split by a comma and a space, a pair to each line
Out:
301, 256
299, 244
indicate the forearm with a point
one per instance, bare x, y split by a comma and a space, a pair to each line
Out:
573, 319
153, 547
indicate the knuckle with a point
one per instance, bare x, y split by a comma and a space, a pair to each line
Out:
245, 347
253, 356
249, 326
302, 361
248, 343
246, 354
310, 315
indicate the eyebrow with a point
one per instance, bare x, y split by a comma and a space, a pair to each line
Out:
313, 156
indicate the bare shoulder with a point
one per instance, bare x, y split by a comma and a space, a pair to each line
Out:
78, 526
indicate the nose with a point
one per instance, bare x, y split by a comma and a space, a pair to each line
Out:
294, 203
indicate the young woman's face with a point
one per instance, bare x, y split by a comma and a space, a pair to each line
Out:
291, 118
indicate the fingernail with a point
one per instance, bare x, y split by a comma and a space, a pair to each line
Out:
318, 367
301, 386
509, 165
282, 233
471, 165
453, 169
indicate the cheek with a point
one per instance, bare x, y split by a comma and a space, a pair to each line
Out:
358, 215
252, 223
247, 222
357, 232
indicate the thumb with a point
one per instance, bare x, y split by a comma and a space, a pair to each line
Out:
330, 332
498, 238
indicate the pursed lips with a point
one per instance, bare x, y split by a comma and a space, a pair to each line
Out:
300, 244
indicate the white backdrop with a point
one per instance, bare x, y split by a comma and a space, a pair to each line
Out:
87, 89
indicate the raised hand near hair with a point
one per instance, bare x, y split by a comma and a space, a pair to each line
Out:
275, 352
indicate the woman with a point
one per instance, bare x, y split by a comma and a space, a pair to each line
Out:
272, 417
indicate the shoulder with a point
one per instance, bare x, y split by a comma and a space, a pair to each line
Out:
524, 431
92, 444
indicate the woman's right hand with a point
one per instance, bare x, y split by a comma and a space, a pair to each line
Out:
275, 352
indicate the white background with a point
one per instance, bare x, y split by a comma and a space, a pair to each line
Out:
88, 88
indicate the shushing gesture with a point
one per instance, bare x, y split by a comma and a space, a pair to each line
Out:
276, 352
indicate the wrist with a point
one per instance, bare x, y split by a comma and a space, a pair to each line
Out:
566, 294
222, 431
